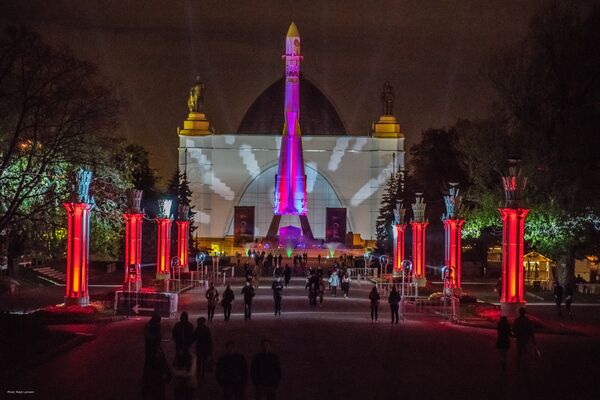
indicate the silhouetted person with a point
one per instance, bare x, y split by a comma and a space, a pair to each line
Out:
503, 340
523, 331
346, 285
156, 374
374, 298
287, 274
568, 297
277, 287
321, 286
394, 301
203, 347
248, 292
183, 333
212, 297
232, 373
558, 297
152, 333
318, 259
265, 372
227, 301
184, 375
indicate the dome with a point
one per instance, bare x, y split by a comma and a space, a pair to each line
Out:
317, 115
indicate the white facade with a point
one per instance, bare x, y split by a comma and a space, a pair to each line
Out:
225, 171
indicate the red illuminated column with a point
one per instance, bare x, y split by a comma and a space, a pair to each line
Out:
183, 228
78, 250
163, 258
513, 221
418, 251
133, 247
452, 229
399, 230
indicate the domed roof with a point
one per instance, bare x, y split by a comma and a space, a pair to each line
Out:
317, 115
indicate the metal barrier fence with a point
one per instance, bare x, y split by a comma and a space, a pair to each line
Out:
362, 273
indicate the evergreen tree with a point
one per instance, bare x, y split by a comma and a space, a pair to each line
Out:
394, 192
178, 189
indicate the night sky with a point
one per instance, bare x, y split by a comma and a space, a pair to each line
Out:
431, 52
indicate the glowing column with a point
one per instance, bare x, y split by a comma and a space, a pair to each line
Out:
183, 234
133, 240
78, 242
419, 227
399, 229
452, 229
513, 222
163, 243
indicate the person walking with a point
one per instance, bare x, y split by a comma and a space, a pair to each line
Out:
558, 297
227, 301
156, 375
232, 373
523, 331
212, 296
334, 282
346, 285
503, 340
568, 297
184, 375
321, 286
183, 333
394, 301
287, 274
374, 298
319, 259
277, 287
265, 371
203, 348
248, 292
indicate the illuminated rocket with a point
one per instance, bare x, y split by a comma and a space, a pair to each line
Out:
290, 182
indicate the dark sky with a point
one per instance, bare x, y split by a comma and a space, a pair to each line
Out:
431, 52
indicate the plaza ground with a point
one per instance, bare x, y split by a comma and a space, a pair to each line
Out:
334, 352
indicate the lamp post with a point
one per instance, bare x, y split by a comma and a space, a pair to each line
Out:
78, 241
513, 222
419, 227
399, 229
134, 217
452, 232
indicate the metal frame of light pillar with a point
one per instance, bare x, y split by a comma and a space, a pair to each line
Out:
453, 247
163, 243
133, 248
419, 228
399, 231
183, 229
513, 225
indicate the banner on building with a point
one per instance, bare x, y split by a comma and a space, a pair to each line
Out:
335, 229
243, 225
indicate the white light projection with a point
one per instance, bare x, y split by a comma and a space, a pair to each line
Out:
249, 160
341, 144
359, 144
369, 188
202, 217
208, 177
311, 176
229, 139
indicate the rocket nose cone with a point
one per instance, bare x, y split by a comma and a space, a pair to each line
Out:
293, 31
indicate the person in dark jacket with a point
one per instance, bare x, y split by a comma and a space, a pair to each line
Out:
523, 331
152, 333
287, 274
203, 348
248, 292
212, 297
568, 297
232, 373
156, 374
503, 340
374, 298
227, 301
183, 333
265, 372
277, 287
558, 296
394, 300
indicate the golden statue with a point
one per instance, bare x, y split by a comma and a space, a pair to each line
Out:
196, 99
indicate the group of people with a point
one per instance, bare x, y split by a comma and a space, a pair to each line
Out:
522, 330
393, 300
189, 367
559, 294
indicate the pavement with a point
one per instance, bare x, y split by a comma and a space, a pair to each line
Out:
330, 352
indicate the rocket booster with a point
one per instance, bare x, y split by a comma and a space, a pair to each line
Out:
290, 182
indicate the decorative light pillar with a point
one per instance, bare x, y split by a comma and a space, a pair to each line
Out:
163, 243
399, 229
419, 226
78, 241
452, 229
133, 241
183, 234
513, 222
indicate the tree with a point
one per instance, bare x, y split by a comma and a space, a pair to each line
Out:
393, 193
178, 188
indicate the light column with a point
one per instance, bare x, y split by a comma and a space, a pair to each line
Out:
452, 232
419, 227
513, 224
163, 243
133, 241
183, 234
399, 229
78, 242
